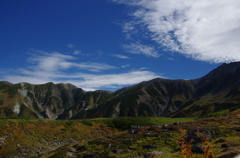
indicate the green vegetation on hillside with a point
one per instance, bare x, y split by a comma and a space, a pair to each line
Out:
38, 136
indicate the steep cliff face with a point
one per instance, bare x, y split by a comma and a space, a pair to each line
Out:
219, 89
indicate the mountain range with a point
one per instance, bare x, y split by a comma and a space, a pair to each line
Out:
218, 90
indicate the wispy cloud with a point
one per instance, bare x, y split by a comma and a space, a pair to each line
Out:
125, 66
70, 45
203, 30
93, 66
138, 48
93, 82
120, 56
55, 61
57, 67
76, 52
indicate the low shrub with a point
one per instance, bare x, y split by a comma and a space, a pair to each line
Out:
87, 122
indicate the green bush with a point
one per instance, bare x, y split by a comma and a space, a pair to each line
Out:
87, 122
124, 123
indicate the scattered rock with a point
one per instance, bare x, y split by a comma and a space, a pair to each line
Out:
224, 146
221, 140
213, 132
237, 129
83, 147
90, 155
155, 126
72, 150
153, 154
147, 134
229, 155
149, 146
176, 123
197, 149
171, 129
131, 131
135, 129
116, 151
164, 126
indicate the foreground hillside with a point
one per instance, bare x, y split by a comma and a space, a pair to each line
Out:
122, 137
218, 90
216, 137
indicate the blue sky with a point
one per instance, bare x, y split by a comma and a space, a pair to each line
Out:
110, 44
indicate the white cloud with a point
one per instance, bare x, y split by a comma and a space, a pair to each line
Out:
203, 30
56, 67
51, 61
120, 56
138, 48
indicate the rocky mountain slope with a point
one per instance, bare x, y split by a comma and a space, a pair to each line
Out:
218, 90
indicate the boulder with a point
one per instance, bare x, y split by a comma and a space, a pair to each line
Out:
198, 135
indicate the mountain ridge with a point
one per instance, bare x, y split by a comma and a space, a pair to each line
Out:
156, 97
